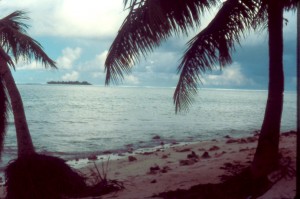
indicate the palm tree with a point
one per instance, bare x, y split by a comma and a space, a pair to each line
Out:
298, 105
266, 156
149, 23
14, 41
3, 114
31, 175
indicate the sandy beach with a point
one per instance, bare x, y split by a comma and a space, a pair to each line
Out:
146, 173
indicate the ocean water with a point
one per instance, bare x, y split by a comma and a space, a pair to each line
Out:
76, 121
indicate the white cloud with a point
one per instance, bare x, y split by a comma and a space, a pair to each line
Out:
21, 65
230, 76
159, 62
94, 65
73, 76
69, 56
89, 18
71, 18
32, 65
100, 59
131, 80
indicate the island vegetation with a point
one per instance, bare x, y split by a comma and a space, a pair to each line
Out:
69, 82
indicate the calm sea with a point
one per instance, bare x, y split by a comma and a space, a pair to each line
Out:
75, 121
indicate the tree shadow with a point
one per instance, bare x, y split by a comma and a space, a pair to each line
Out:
239, 186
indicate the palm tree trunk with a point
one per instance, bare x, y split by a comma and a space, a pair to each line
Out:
266, 156
25, 146
298, 105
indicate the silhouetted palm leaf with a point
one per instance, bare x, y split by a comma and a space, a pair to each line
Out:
150, 22
146, 26
213, 46
4, 56
13, 39
14, 42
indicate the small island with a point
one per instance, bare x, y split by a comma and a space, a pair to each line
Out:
69, 82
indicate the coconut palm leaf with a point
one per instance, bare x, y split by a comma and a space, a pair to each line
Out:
290, 4
261, 19
14, 40
148, 23
4, 101
213, 46
6, 58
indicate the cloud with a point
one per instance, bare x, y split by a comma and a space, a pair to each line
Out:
131, 80
22, 65
161, 61
290, 27
95, 64
65, 18
73, 76
260, 36
78, 33
100, 59
230, 76
69, 56
89, 18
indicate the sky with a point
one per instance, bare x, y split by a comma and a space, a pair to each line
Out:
78, 34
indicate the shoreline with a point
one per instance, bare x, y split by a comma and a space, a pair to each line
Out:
79, 159
149, 171
146, 173
157, 142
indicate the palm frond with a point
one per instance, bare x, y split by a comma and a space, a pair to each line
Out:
13, 39
212, 46
15, 21
4, 108
261, 18
149, 23
131, 4
5, 57
290, 5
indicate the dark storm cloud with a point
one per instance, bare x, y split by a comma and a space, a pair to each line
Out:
255, 61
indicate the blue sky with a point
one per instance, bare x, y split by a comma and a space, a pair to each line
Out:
78, 34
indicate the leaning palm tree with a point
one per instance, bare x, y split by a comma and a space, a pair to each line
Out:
15, 42
149, 23
31, 175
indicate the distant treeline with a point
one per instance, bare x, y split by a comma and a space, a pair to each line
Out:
70, 82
